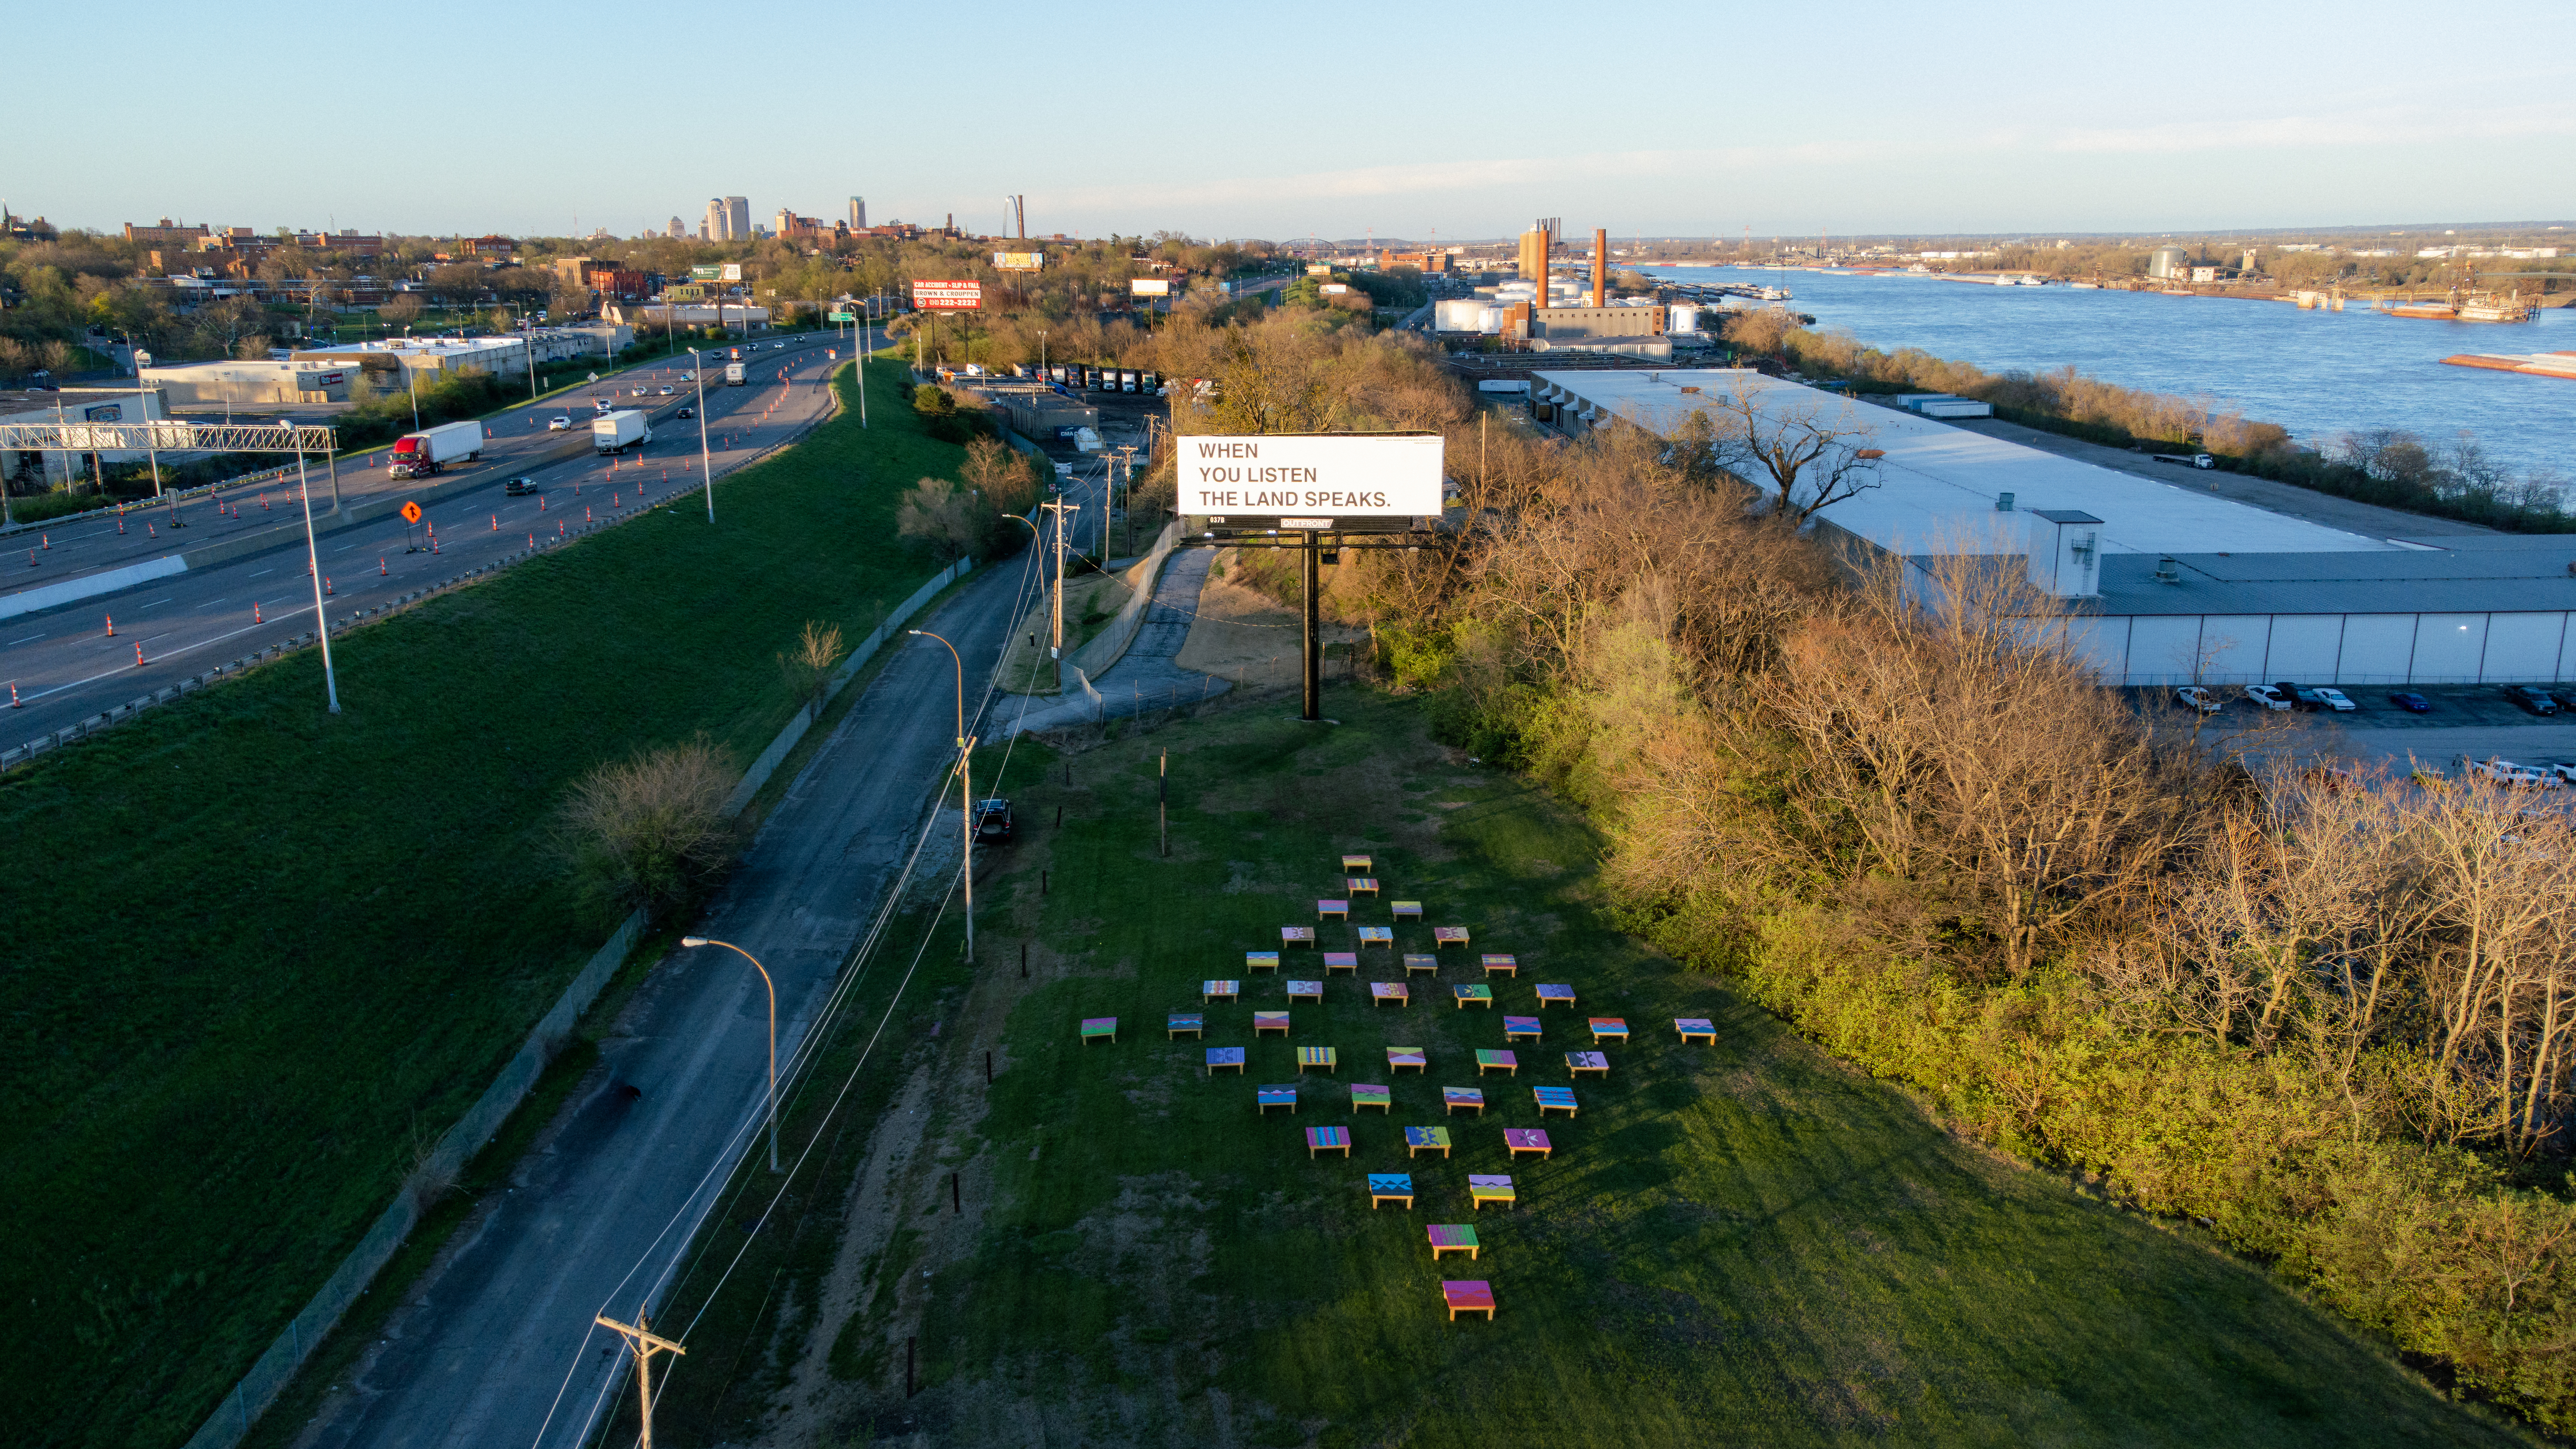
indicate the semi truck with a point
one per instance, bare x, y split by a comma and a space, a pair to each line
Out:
417, 455
733, 374
618, 431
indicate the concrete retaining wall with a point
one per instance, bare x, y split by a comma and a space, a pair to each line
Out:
1110, 644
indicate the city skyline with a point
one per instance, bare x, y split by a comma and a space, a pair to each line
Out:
1868, 124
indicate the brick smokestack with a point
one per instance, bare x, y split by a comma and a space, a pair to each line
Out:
1601, 266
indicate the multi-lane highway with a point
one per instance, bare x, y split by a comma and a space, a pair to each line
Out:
64, 666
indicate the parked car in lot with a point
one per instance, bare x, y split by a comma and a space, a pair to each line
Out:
2194, 697
2506, 772
993, 821
2266, 696
520, 487
2532, 698
2411, 702
2564, 770
559, 424
2332, 699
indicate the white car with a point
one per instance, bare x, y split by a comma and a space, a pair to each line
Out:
2565, 772
2194, 697
2333, 699
559, 425
666, 392
2264, 696
2506, 772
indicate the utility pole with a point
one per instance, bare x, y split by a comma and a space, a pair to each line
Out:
640, 1337
1055, 638
313, 565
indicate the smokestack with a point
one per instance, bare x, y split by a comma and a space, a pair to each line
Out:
1601, 266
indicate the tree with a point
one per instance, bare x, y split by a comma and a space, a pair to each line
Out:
944, 516
1815, 455
1001, 474
649, 830
399, 310
808, 667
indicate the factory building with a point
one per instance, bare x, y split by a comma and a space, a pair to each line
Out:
2156, 583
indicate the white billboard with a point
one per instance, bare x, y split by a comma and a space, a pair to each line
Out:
1311, 475
733, 272
1149, 287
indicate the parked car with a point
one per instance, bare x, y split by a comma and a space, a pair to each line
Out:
2266, 696
2411, 702
2565, 772
2333, 699
520, 487
993, 821
687, 413
2192, 696
2298, 698
2532, 698
2506, 772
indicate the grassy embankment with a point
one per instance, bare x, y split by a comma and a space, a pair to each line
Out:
260, 955
1746, 1242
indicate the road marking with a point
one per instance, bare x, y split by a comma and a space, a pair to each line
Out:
30, 639
208, 604
264, 571
156, 603
173, 654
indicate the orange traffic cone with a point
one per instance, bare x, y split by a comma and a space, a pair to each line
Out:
254, 613
111, 626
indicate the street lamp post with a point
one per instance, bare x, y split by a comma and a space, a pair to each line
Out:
696, 941
143, 396
706, 460
966, 778
313, 564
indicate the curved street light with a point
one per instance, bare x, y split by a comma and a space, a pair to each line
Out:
966, 775
696, 941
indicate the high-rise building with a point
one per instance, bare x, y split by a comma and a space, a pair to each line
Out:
737, 219
713, 229
675, 231
858, 213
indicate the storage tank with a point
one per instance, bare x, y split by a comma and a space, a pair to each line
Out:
1681, 317
1460, 314
2167, 262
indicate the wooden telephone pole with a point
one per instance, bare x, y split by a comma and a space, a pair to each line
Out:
640, 1337
1055, 639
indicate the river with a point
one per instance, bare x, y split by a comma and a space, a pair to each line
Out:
2318, 374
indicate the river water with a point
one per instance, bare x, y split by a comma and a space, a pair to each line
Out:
2318, 374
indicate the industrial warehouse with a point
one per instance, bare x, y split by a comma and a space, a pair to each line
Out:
2160, 583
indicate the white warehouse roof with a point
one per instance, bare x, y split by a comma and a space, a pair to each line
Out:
1939, 484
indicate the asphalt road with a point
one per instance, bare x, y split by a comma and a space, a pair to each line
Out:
496, 1345
64, 667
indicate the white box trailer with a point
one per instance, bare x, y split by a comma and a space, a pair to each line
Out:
417, 455
620, 430
733, 374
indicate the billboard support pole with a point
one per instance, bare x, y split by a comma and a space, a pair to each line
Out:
1314, 642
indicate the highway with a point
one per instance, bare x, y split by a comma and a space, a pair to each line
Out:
63, 666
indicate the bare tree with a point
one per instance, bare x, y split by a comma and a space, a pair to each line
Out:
1813, 454
942, 515
647, 831
808, 667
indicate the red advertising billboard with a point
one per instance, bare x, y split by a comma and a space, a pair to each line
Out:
948, 296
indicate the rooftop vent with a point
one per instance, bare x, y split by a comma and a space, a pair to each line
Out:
2168, 571
2003, 503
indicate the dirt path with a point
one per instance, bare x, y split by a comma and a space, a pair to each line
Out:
1247, 638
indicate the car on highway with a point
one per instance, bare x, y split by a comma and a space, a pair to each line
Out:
2411, 702
688, 412
2266, 696
666, 392
2533, 699
993, 821
520, 487
2333, 699
559, 424
778, 347
2194, 697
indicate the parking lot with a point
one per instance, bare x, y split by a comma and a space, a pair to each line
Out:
2476, 720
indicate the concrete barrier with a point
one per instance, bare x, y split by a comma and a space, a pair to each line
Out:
1110, 645
90, 586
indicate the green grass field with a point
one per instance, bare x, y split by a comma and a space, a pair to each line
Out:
257, 955
1743, 1242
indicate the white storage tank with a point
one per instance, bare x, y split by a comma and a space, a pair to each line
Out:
1460, 314
1681, 317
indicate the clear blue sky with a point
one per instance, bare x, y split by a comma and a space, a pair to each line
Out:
1282, 121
